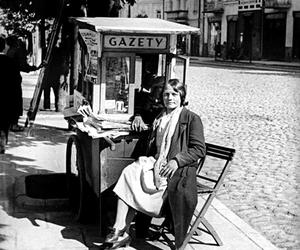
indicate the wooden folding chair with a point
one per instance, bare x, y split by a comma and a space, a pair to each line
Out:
210, 176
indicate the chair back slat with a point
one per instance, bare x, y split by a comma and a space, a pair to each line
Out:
219, 151
218, 155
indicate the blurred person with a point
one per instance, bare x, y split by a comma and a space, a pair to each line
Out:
224, 51
217, 50
9, 90
17, 52
56, 77
233, 52
157, 180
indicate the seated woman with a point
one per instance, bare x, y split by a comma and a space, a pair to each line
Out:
167, 174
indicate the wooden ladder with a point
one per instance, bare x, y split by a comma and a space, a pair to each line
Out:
43, 75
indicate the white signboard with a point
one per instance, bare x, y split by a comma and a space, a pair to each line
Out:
247, 5
135, 42
91, 40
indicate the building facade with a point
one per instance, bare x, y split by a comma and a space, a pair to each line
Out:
255, 29
248, 29
144, 8
180, 11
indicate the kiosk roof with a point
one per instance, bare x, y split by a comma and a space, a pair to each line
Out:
135, 25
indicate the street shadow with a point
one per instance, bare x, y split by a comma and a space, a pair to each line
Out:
30, 137
14, 166
87, 234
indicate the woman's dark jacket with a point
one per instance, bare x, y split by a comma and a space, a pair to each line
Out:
187, 147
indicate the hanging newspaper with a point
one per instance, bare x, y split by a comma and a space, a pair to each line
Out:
91, 39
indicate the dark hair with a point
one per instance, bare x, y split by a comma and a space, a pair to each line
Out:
12, 41
180, 88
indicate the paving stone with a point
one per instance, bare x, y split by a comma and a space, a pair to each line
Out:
257, 113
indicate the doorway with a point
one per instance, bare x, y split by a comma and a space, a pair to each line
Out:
274, 36
296, 37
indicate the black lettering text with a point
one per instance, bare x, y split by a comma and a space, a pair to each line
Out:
122, 42
141, 42
158, 41
149, 41
132, 39
112, 41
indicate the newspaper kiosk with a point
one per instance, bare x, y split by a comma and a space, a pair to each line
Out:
111, 57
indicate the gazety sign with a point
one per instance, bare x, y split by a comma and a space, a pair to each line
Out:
135, 42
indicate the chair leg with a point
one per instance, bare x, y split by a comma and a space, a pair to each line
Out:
212, 231
191, 231
194, 227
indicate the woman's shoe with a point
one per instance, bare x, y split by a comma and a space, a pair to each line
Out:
114, 234
125, 242
116, 239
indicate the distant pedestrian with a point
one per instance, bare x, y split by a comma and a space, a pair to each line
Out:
217, 50
56, 77
17, 52
224, 51
233, 52
9, 90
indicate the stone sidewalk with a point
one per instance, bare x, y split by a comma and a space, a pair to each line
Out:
246, 64
42, 150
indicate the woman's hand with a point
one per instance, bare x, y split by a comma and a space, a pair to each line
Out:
138, 124
169, 169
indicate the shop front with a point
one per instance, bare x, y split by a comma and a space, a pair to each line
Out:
274, 36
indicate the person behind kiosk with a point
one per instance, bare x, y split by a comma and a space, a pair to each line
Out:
158, 180
148, 103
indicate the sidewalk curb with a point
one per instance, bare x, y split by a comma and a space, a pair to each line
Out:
242, 226
24, 201
271, 66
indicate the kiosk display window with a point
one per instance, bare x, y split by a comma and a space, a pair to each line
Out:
117, 85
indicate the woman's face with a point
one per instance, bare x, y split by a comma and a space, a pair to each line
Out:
171, 98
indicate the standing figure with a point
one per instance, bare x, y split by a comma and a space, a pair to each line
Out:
224, 51
233, 51
18, 54
217, 50
57, 77
9, 90
166, 176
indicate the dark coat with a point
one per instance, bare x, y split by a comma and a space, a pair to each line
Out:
10, 87
18, 54
187, 147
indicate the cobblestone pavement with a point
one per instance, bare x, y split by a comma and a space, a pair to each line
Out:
257, 113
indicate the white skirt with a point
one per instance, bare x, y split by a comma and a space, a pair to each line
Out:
129, 188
